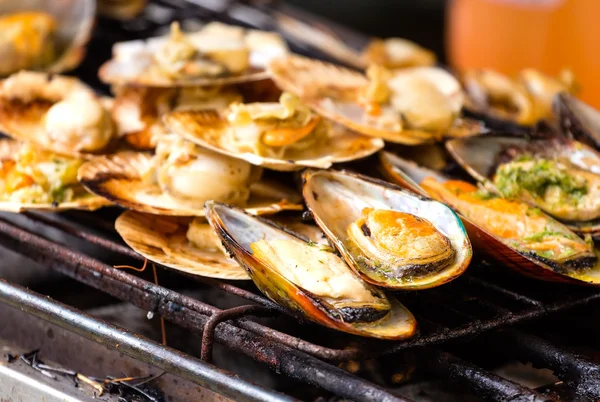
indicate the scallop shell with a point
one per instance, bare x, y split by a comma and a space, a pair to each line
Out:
162, 239
24, 121
205, 128
118, 178
306, 77
88, 202
75, 22
132, 70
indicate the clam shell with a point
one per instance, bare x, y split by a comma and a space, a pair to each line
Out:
162, 239
74, 28
88, 202
205, 128
337, 199
306, 77
118, 178
399, 324
408, 174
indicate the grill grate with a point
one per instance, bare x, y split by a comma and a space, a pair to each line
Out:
484, 299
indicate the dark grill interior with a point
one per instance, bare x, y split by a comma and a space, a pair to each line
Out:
463, 313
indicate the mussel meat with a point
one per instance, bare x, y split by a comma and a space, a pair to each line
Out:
308, 278
558, 175
390, 236
513, 232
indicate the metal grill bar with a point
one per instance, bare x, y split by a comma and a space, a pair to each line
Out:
136, 346
483, 383
190, 314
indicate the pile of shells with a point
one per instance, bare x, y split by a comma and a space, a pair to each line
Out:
217, 140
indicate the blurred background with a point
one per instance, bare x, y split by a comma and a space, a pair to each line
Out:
506, 35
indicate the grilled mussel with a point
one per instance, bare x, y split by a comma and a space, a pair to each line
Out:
308, 278
557, 175
514, 233
408, 106
390, 236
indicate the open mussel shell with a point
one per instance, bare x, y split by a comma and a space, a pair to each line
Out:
162, 239
338, 200
309, 79
75, 20
238, 231
87, 201
481, 155
206, 128
119, 178
409, 175
577, 119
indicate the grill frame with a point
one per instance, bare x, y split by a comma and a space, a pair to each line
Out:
308, 362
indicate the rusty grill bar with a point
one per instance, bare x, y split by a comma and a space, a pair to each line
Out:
486, 298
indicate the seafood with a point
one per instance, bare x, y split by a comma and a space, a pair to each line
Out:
307, 278
121, 9
577, 119
52, 38
179, 178
32, 178
182, 243
217, 54
521, 236
58, 113
137, 111
408, 106
390, 237
190, 244
558, 175
282, 136
523, 100
396, 53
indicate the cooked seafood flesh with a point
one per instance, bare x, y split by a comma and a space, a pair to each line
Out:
216, 54
56, 112
391, 237
282, 136
409, 106
308, 278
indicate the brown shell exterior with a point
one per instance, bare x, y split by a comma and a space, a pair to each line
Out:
205, 128
162, 239
118, 178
